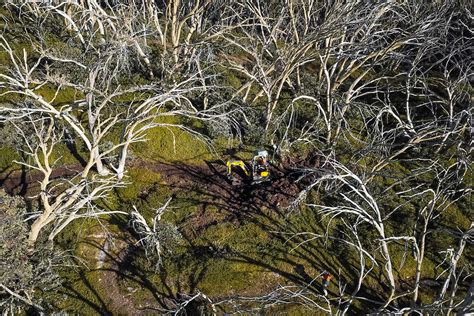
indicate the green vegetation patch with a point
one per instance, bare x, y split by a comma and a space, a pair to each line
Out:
172, 144
138, 180
7, 156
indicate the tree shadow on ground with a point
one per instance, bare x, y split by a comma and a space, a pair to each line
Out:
294, 259
265, 206
71, 292
124, 266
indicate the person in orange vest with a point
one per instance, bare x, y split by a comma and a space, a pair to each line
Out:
326, 279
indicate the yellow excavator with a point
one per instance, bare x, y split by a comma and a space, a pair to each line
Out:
260, 169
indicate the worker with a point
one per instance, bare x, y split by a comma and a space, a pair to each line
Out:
326, 279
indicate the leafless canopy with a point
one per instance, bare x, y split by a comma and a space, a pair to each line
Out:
382, 90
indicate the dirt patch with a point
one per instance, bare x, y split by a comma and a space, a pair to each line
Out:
119, 302
208, 180
22, 181
210, 188
110, 253
220, 201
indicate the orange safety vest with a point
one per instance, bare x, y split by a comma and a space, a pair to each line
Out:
327, 276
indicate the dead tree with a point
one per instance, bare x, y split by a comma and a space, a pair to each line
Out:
360, 206
446, 192
24, 273
282, 295
273, 50
89, 120
154, 238
453, 276
352, 48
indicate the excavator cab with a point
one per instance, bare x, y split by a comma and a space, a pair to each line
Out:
260, 167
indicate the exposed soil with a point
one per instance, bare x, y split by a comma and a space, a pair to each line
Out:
209, 181
22, 181
208, 184
111, 253
212, 189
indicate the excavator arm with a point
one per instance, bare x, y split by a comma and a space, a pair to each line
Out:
237, 163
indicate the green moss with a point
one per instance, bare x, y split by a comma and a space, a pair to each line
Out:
229, 78
229, 277
458, 216
65, 95
133, 97
10, 98
173, 145
83, 294
63, 153
7, 156
139, 180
